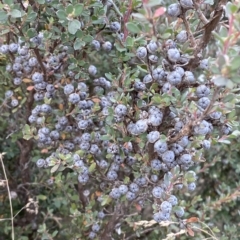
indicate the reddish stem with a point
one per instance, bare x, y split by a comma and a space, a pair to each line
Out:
230, 32
126, 18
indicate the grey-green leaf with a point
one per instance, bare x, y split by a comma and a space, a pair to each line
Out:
73, 26
61, 14
15, 13
132, 27
78, 9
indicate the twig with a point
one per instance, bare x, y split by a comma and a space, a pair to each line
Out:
116, 8
133, 236
107, 233
9, 195
208, 28
207, 227
82, 198
125, 20
213, 237
199, 12
230, 32
6, 219
36, 51
189, 32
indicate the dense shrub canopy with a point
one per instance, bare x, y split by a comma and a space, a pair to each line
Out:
117, 119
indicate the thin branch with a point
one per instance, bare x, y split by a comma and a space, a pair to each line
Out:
126, 18
133, 236
208, 228
9, 195
82, 198
199, 12
213, 237
208, 29
36, 51
116, 8
107, 233
189, 32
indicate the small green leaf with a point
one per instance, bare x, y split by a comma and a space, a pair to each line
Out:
129, 41
54, 234
126, 180
61, 15
73, 26
106, 200
105, 137
4, 31
27, 136
55, 168
41, 1
157, 99
3, 16
236, 133
26, 129
142, 68
190, 177
109, 76
41, 197
92, 167
31, 17
166, 35
215, 229
78, 44
231, 8
87, 38
69, 9
132, 27
78, 9
119, 47
15, 13
235, 63
224, 141
31, 32
220, 81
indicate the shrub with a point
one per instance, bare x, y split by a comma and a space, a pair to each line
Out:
117, 101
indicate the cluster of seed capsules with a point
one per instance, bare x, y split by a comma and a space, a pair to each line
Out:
77, 133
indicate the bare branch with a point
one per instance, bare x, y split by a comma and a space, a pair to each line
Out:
9, 195
107, 233
208, 28
199, 12
36, 51
188, 29
133, 236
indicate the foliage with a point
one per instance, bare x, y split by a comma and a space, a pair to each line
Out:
119, 119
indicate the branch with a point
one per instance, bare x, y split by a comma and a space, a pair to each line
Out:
199, 12
107, 233
9, 195
125, 20
81, 195
36, 51
208, 28
116, 8
133, 236
187, 26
